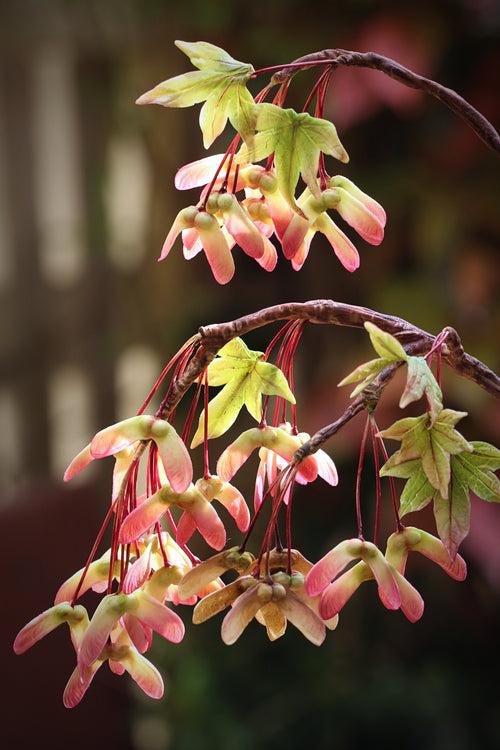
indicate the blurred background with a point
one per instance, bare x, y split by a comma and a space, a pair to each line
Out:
88, 318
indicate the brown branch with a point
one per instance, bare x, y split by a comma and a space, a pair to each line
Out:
212, 337
367, 400
336, 57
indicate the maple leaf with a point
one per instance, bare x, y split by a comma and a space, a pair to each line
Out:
296, 140
420, 381
469, 471
431, 441
452, 514
476, 470
246, 378
389, 350
220, 82
417, 492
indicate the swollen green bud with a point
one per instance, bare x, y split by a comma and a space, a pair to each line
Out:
212, 205
205, 221
189, 215
279, 592
281, 578
252, 176
264, 593
296, 581
330, 198
225, 201
246, 582
268, 183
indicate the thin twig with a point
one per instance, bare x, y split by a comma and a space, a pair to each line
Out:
341, 57
415, 340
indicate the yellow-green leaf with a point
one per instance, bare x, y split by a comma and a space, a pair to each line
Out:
485, 455
452, 515
417, 492
366, 373
268, 380
296, 141
223, 410
384, 344
420, 380
204, 55
182, 91
481, 480
220, 82
238, 349
246, 378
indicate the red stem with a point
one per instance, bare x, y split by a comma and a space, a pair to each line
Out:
162, 376
93, 552
314, 89
186, 431
392, 485
289, 531
235, 178
376, 459
271, 68
206, 466
362, 450
158, 530
288, 475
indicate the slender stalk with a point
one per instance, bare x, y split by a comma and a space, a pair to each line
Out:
206, 463
341, 57
359, 472
288, 66
376, 459
92, 554
392, 485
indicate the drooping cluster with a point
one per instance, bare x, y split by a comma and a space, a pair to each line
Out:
243, 203
149, 570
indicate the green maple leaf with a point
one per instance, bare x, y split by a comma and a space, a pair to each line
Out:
296, 141
485, 455
476, 470
469, 471
418, 491
220, 82
452, 514
246, 378
420, 381
432, 441
389, 350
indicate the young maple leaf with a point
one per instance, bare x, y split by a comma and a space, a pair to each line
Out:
246, 378
220, 82
419, 381
452, 514
431, 441
389, 350
296, 140
469, 472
